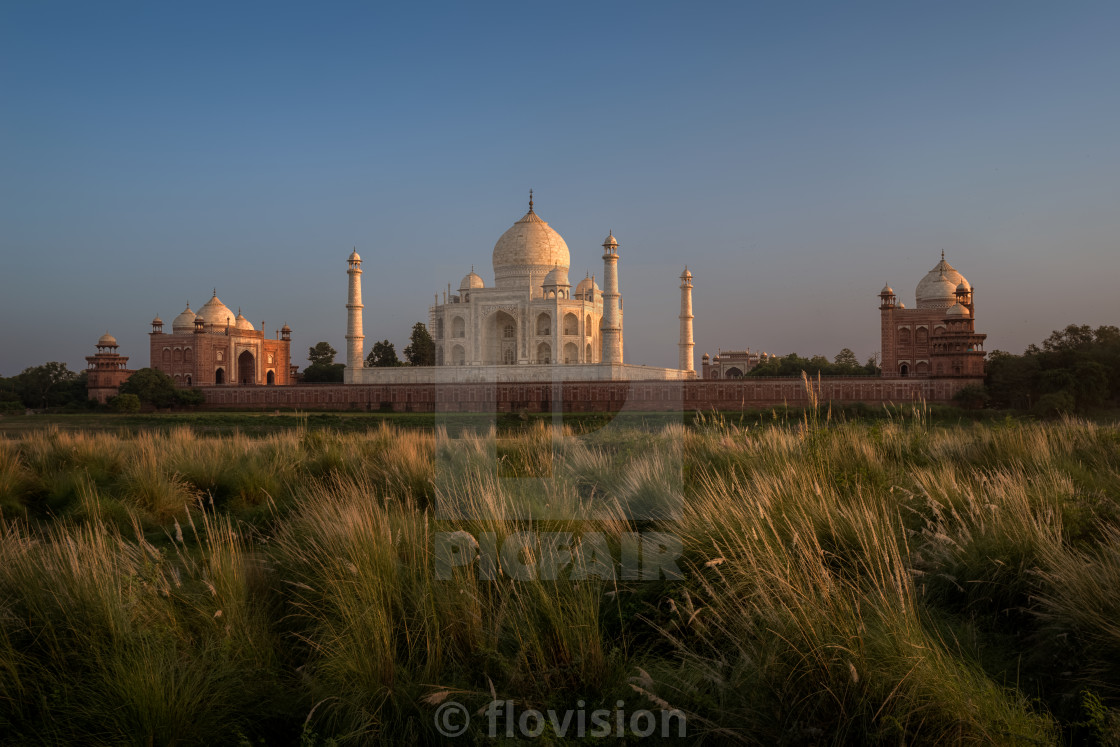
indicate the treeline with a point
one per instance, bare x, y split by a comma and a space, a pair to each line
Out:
53, 386
845, 364
421, 351
1076, 370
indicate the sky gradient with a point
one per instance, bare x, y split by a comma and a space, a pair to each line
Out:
794, 156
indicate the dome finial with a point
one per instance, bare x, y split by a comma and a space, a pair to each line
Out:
530, 199
215, 293
942, 255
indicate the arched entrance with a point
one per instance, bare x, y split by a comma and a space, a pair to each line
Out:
734, 373
904, 370
270, 379
220, 376
571, 353
544, 353
501, 339
246, 370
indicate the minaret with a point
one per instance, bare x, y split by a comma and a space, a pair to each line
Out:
354, 337
611, 326
686, 344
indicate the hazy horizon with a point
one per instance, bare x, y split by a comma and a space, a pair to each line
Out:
795, 158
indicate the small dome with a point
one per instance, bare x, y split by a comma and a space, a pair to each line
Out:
216, 313
157, 320
610, 240
184, 322
557, 277
106, 341
471, 281
241, 322
586, 285
901, 305
887, 291
938, 289
963, 288
957, 310
686, 274
285, 328
354, 256
706, 355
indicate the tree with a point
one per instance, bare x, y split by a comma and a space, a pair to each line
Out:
972, 397
152, 386
322, 353
847, 359
323, 369
45, 385
190, 397
125, 403
324, 373
422, 349
1053, 404
383, 355
1090, 387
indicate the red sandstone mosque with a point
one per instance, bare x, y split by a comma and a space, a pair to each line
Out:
214, 347
938, 338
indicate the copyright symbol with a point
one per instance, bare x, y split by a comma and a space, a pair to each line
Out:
452, 719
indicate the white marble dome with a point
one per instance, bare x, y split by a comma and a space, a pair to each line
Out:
557, 277
529, 247
241, 322
215, 312
471, 281
938, 289
106, 341
585, 285
184, 322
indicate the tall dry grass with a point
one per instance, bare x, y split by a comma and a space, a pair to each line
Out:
895, 582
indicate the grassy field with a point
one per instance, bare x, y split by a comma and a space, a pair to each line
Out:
261, 423
896, 581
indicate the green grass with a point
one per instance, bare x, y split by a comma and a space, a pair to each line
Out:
261, 423
891, 581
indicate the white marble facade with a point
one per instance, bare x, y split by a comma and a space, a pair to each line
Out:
529, 326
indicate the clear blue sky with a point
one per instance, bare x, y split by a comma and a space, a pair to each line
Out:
795, 155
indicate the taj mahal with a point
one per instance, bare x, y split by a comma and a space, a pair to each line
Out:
530, 341
530, 325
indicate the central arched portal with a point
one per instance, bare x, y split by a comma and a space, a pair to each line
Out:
500, 345
246, 370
